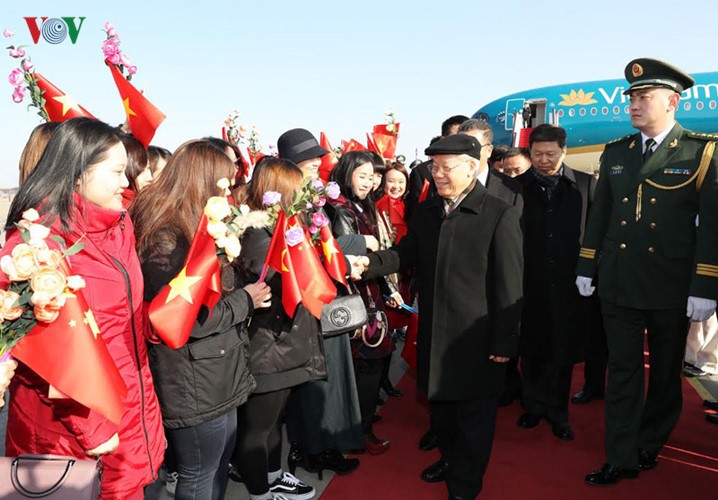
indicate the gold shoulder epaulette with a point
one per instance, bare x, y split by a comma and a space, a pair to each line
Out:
700, 135
620, 139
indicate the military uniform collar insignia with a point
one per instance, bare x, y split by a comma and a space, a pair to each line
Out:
673, 144
632, 145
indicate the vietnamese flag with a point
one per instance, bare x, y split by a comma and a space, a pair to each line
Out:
354, 145
58, 105
329, 160
386, 144
174, 310
384, 129
71, 356
424, 190
371, 144
142, 115
333, 257
291, 253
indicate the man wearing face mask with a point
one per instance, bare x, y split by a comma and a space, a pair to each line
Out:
652, 241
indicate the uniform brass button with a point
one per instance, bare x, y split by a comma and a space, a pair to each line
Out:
652, 225
221, 352
624, 200
622, 246
653, 201
623, 223
651, 249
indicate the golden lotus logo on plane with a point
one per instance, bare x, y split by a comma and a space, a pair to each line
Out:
579, 98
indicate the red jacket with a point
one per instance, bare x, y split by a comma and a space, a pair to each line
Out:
114, 291
395, 208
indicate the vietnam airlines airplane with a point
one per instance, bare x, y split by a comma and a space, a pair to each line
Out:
593, 113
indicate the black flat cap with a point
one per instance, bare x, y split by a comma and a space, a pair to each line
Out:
647, 73
298, 145
457, 144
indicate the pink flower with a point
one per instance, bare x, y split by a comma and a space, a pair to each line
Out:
317, 184
27, 65
333, 190
110, 48
18, 94
108, 26
320, 202
114, 59
271, 198
132, 69
7, 33
294, 236
319, 219
313, 229
18, 53
125, 60
16, 77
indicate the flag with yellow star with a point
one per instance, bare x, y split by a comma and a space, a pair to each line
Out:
174, 310
333, 257
58, 105
385, 139
143, 117
329, 160
303, 278
72, 357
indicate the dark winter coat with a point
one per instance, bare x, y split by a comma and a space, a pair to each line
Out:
208, 376
284, 351
553, 325
469, 267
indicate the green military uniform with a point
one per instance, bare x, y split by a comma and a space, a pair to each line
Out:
651, 241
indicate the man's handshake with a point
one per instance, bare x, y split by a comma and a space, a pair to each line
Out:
359, 265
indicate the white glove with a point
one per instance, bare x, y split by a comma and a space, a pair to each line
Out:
584, 286
700, 309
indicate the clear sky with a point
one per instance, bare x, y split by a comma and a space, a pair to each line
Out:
337, 66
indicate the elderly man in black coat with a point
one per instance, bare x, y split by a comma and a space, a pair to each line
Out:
466, 247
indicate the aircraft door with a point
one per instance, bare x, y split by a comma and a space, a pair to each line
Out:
513, 106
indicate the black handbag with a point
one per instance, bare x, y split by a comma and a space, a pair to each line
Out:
343, 314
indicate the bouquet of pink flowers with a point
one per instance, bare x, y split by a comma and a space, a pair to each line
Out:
113, 53
23, 78
39, 284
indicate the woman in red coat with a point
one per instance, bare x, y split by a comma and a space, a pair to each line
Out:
77, 188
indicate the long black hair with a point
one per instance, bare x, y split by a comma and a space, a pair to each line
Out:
342, 175
75, 146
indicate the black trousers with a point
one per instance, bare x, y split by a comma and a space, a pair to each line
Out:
368, 377
465, 430
594, 370
545, 388
633, 422
259, 439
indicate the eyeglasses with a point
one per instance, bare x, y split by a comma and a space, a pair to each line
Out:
435, 169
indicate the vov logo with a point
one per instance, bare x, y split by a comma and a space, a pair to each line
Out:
54, 30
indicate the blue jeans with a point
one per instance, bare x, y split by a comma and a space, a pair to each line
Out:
203, 452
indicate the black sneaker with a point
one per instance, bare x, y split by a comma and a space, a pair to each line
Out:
292, 488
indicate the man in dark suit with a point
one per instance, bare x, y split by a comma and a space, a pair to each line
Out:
466, 247
652, 241
553, 325
420, 177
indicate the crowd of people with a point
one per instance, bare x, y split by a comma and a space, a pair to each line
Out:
497, 247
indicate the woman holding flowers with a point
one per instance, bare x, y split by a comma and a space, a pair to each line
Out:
353, 213
285, 351
77, 190
200, 384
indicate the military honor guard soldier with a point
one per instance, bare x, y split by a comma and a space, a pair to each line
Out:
652, 242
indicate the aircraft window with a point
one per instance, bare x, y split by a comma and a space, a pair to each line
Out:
604, 110
582, 111
712, 105
571, 112
560, 113
594, 111
699, 105
616, 110
687, 106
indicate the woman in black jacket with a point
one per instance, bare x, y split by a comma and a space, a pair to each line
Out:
353, 213
285, 351
200, 384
